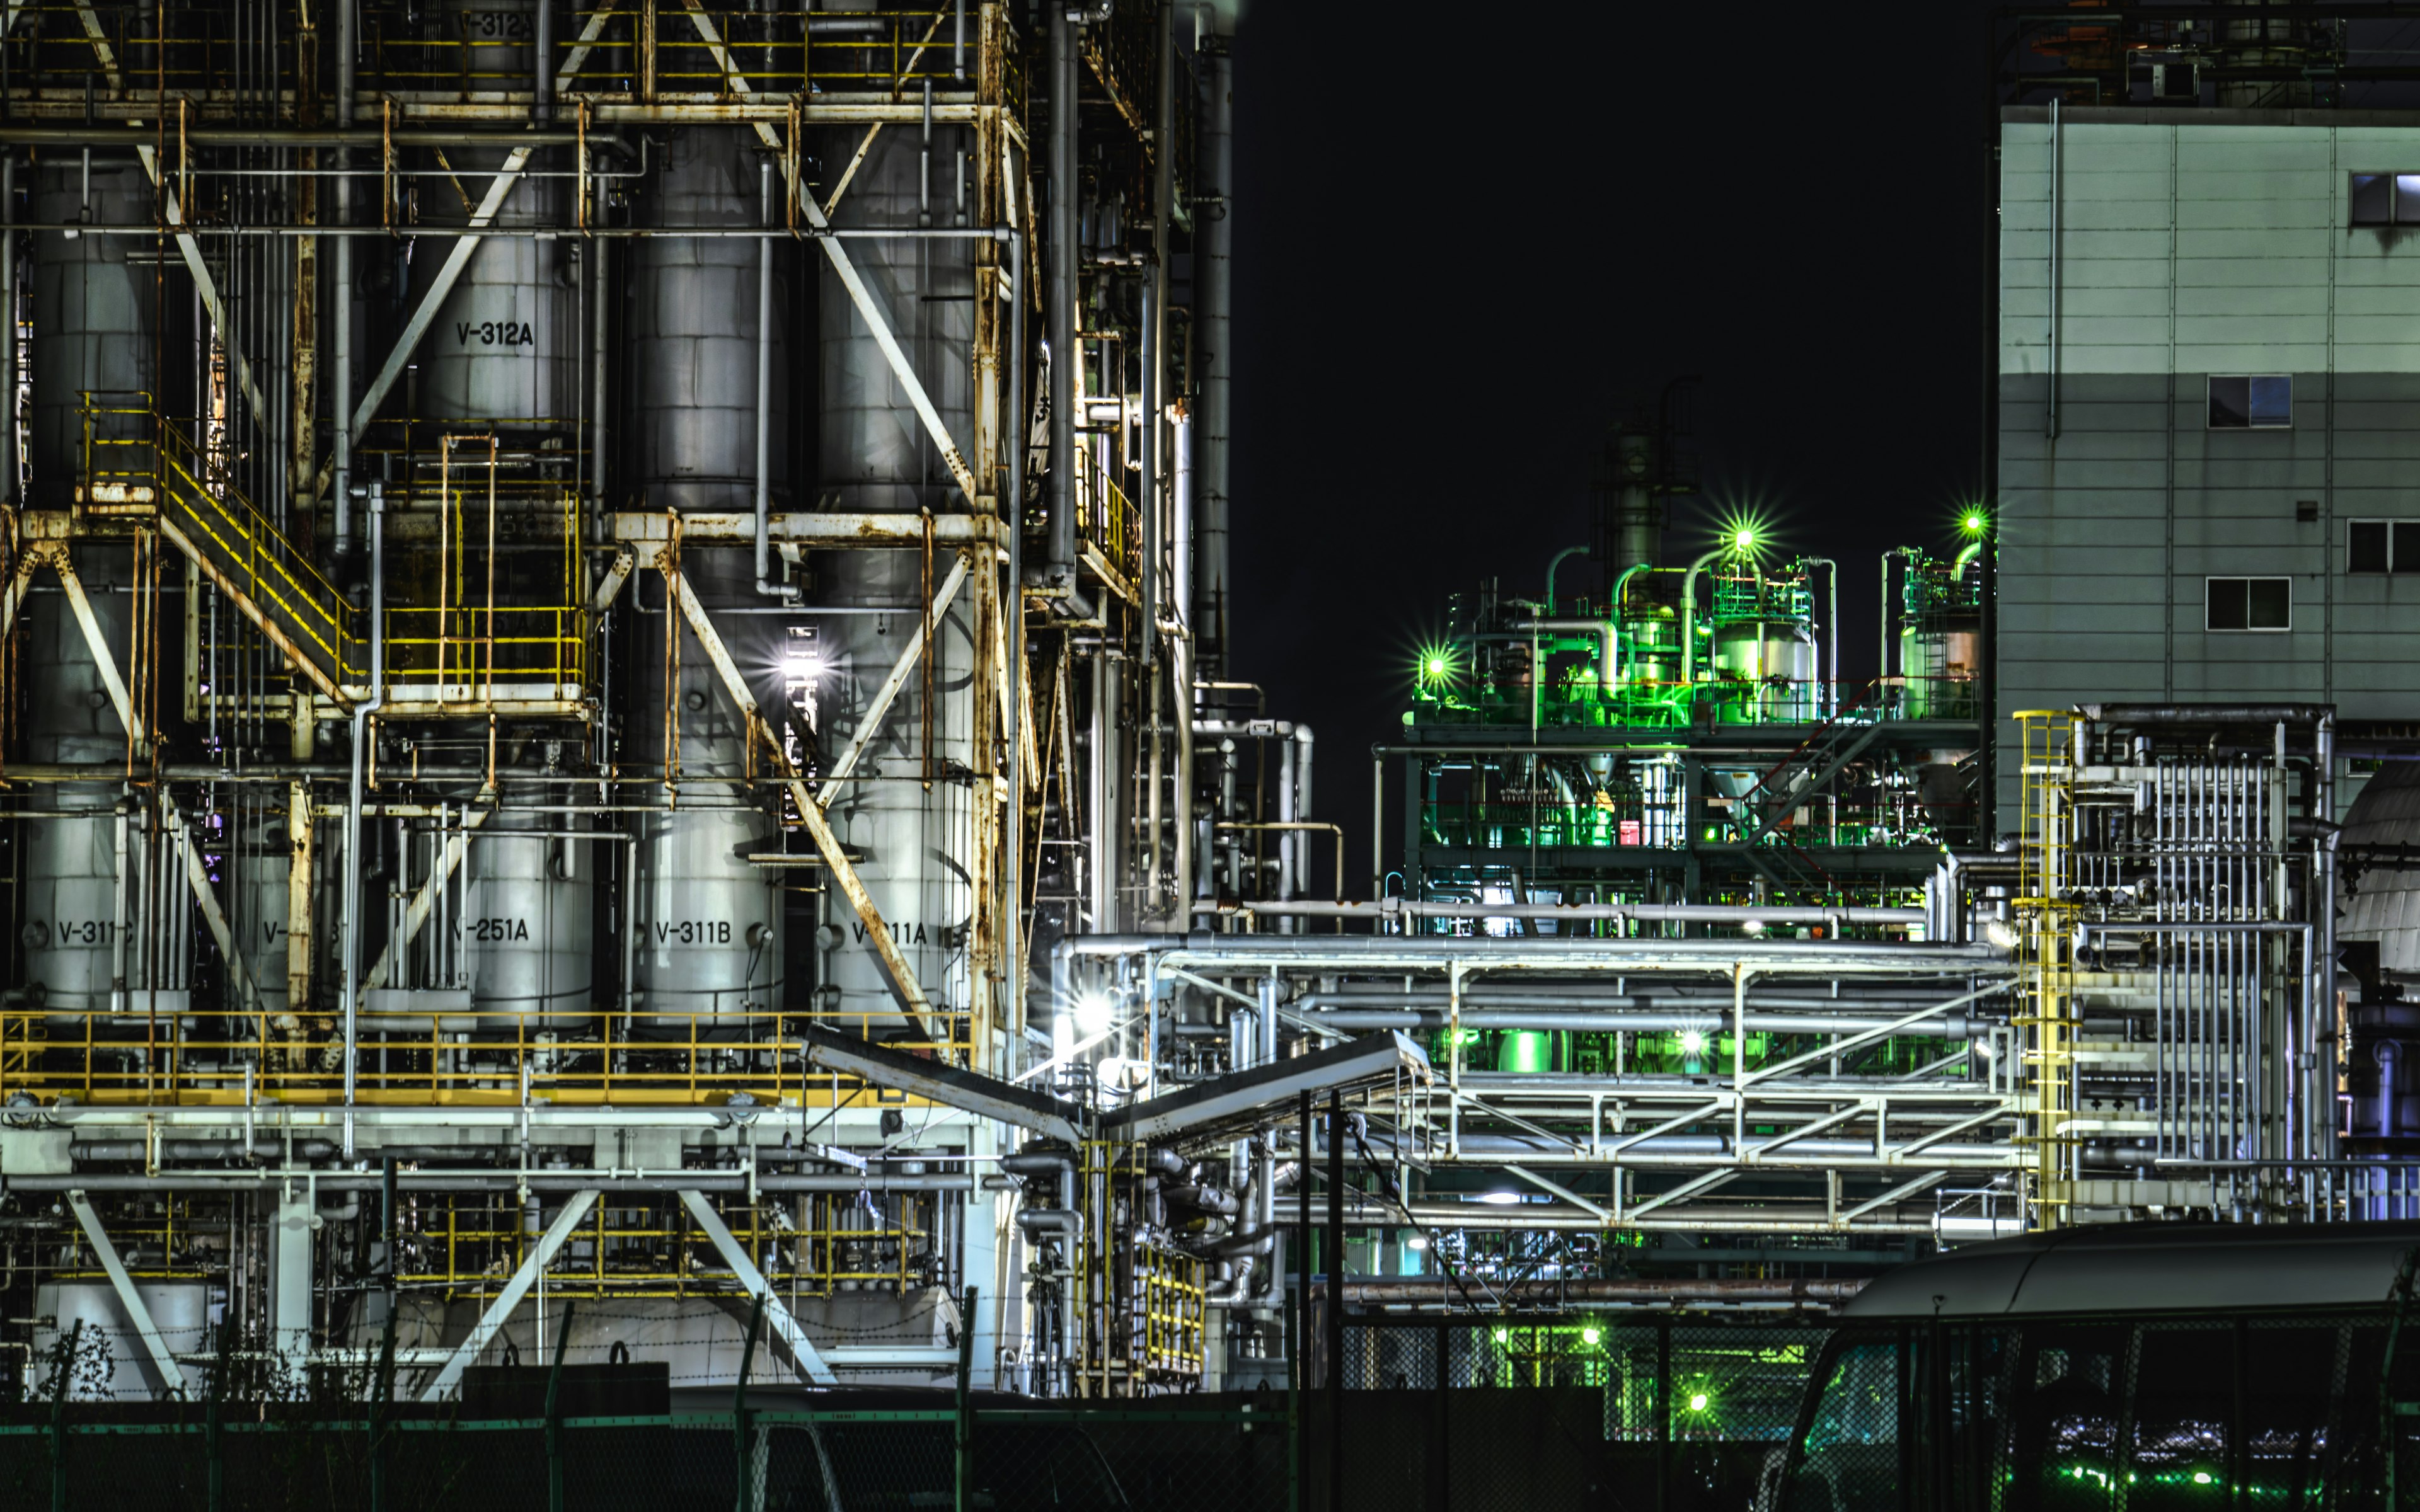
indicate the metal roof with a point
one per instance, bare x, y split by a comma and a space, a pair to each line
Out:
2143, 1268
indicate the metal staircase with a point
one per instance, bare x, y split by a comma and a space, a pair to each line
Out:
141, 465
1803, 773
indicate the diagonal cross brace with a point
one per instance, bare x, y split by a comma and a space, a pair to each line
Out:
424, 903
424, 314
163, 1365
802, 1350
872, 724
871, 311
206, 286
913, 1002
524, 1275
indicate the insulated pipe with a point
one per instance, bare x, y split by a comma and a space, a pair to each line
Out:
1302, 809
1058, 295
1613, 611
541, 70
1948, 1027
1689, 619
1831, 700
1653, 1292
263, 1149
1180, 535
1155, 334
1556, 561
537, 1181
598, 252
1698, 913
765, 585
2123, 716
8, 469
362, 712
1608, 654
340, 313
1287, 838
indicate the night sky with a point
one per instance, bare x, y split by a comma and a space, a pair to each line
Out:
1461, 242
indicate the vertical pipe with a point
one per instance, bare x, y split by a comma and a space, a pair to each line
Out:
2050, 420
1060, 296
1335, 1301
1104, 847
8, 469
340, 304
958, 42
1154, 328
1215, 302
375, 676
599, 249
1298, 1378
541, 68
765, 390
1012, 951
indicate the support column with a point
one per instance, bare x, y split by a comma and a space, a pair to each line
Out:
299, 931
289, 1283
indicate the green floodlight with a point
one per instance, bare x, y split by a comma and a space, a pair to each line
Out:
1589, 1335
1974, 522
1699, 1401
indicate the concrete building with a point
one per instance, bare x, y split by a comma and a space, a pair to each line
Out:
2208, 359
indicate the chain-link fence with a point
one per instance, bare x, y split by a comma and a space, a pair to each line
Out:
1645, 1413
1179, 1456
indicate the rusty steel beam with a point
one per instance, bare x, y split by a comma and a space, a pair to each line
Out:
252, 611
917, 1008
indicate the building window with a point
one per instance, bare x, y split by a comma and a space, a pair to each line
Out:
2382, 546
2250, 604
2264, 402
2386, 199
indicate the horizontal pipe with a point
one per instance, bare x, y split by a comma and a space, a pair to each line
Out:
538, 233
1656, 1290
665, 1182
199, 1149
1643, 913
2118, 714
1948, 1027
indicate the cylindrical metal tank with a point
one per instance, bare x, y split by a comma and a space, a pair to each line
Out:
1938, 656
93, 317
693, 330
2382, 904
529, 924
505, 343
709, 921
73, 911
1650, 655
264, 869
876, 457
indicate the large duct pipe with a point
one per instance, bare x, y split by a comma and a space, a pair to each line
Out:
1363, 1020
1059, 297
1215, 204
351, 923
1441, 1291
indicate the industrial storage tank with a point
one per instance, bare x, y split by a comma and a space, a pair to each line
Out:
528, 925
876, 458
710, 921
2382, 904
2382, 912
92, 332
505, 343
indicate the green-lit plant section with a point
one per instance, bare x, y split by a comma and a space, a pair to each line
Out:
1677, 1053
